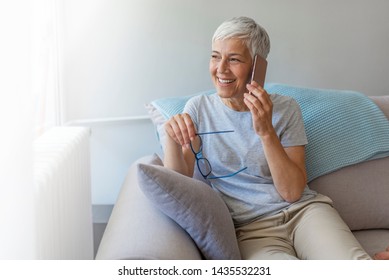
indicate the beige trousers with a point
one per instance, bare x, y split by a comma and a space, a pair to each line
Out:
308, 230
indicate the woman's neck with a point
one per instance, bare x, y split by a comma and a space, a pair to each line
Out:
235, 104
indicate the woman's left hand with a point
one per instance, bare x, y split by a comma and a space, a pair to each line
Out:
261, 108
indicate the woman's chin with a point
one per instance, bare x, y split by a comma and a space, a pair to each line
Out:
226, 93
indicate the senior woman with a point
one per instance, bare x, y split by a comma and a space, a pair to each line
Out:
249, 146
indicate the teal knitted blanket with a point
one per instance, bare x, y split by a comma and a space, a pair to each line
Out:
343, 127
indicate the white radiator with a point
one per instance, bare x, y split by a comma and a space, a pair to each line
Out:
63, 194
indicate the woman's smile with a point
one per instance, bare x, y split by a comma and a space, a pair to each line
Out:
226, 81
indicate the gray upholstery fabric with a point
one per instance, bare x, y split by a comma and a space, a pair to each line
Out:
360, 193
138, 230
195, 206
373, 240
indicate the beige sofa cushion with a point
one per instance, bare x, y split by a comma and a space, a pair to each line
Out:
360, 193
373, 240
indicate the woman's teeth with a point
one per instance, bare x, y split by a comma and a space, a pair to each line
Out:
225, 81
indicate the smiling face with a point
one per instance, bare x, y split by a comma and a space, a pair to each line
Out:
230, 69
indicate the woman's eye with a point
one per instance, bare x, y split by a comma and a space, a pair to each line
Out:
234, 60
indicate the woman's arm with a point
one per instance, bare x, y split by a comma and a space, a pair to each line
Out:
287, 165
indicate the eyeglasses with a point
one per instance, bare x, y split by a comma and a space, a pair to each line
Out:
203, 164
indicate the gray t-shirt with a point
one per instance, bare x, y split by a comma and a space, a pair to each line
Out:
249, 194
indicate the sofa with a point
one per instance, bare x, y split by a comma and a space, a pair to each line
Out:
139, 228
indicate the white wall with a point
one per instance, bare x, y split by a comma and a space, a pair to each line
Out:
17, 211
120, 54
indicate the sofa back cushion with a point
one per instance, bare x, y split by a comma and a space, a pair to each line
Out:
360, 192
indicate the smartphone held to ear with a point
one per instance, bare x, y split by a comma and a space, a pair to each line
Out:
259, 70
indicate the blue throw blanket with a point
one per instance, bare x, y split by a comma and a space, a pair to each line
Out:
343, 127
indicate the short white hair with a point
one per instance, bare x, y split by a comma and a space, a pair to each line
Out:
251, 33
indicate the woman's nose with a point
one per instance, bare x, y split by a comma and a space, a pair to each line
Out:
223, 66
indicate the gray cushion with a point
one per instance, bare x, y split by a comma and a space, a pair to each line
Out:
360, 193
374, 240
195, 206
138, 230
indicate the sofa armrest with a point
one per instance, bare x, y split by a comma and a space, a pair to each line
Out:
138, 230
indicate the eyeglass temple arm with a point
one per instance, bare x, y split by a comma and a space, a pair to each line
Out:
214, 132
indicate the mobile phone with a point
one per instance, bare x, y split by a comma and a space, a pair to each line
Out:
259, 70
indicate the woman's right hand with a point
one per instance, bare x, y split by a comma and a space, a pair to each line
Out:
181, 129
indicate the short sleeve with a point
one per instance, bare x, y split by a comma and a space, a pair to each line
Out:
293, 133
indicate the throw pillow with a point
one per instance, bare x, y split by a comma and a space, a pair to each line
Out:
193, 205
